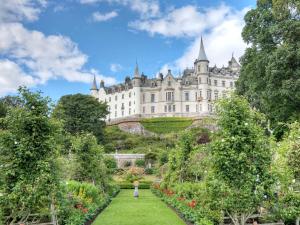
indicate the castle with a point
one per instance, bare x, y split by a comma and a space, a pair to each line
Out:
189, 95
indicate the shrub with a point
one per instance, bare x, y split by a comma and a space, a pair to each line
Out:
110, 163
140, 163
204, 221
149, 171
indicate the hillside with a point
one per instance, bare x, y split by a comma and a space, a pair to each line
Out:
165, 133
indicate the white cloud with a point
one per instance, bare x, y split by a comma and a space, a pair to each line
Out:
100, 17
17, 10
221, 28
146, 8
114, 67
42, 57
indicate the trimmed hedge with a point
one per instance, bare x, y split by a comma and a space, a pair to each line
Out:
128, 185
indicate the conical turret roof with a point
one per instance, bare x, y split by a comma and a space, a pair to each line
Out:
94, 85
202, 55
136, 70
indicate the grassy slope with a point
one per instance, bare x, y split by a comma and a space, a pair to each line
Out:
146, 210
166, 125
133, 143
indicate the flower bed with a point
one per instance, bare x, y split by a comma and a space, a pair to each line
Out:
190, 209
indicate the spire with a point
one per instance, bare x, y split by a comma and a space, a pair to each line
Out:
94, 85
202, 55
136, 70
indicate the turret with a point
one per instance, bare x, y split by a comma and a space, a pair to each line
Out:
94, 89
201, 63
136, 82
233, 64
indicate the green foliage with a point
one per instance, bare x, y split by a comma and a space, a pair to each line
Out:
129, 185
80, 202
204, 221
28, 155
166, 124
140, 163
241, 160
271, 65
7, 102
110, 164
81, 113
115, 139
89, 160
287, 168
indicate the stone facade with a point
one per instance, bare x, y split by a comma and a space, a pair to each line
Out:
188, 95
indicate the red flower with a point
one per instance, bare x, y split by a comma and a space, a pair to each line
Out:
181, 198
192, 204
84, 210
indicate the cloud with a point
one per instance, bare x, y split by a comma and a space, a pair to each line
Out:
146, 8
221, 27
16, 10
99, 17
42, 57
114, 67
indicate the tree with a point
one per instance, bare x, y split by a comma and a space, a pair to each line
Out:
241, 161
270, 74
28, 158
89, 160
81, 113
287, 166
8, 101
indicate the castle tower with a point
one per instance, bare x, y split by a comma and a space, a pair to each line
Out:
94, 89
202, 72
136, 81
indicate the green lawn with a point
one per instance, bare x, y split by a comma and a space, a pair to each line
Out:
166, 125
146, 210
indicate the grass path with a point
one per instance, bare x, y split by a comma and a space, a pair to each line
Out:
146, 210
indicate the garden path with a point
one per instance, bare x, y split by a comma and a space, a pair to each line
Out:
146, 210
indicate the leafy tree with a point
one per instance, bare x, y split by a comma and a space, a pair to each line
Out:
270, 74
241, 161
8, 101
287, 166
89, 160
28, 158
81, 113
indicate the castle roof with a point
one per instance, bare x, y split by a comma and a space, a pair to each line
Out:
94, 85
202, 55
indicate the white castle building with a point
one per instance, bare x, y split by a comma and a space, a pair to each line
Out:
188, 95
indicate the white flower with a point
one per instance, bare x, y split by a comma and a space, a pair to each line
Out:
32, 107
246, 124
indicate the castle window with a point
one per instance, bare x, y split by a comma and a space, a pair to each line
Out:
122, 112
200, 93
115, 106
196, 95
109, 99
144, 98
187, 96
209, 81
174, 109
199, 68
169, 108
170, 96
166, 108
122, 106
224, 94
187, 108
216, 95
129, 103
129, 94
209, 94
129, 112
116, 97
216, 82
152, 109
152, 97
122, 96
223, 83
200, 107
115, 113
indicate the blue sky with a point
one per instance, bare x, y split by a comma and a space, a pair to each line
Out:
58, 46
